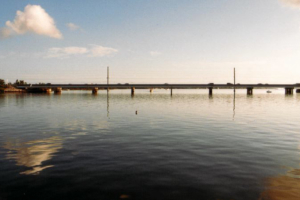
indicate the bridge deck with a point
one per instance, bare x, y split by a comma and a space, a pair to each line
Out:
156, 86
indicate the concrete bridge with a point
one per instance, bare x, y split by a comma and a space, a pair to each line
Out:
57, 88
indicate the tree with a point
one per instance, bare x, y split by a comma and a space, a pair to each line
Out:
2, 83
17, 82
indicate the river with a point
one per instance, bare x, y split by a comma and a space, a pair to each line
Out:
151, 146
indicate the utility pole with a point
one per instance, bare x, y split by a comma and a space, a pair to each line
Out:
234, 79
107, 77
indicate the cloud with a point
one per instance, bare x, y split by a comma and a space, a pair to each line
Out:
34, 19
100, 51
72, 26
66, 52
295, 3
155, 53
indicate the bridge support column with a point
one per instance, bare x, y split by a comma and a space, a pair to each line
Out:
48, 91
132, 91
57, 91
210, 91
298, 91
249, 91
151, 90
95, 91
289, 90
171, 92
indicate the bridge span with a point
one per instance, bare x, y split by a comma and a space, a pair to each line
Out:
57, 88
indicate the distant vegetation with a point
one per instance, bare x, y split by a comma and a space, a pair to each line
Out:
2, 85
18, 82
2, 82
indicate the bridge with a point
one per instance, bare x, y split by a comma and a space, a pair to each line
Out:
57, 88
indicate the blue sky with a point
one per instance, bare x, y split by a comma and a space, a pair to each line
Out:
151, 41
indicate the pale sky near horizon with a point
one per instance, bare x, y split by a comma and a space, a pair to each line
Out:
158, 41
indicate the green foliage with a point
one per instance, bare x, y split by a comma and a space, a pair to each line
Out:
2, 83
17, 82
20, 82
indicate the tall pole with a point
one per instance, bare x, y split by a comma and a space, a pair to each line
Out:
234, 78
107, 77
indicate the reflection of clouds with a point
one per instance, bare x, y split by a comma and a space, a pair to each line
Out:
35, 170
100, 124
31, 154
80, 133
78, 127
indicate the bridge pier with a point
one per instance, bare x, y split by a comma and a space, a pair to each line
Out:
171, 92
249, 91
57, 90
151, 90
48, 91
210, 91
132, 91
289, 90
95, 91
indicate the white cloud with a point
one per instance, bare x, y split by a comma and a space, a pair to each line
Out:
72, 26
100, 51
66, 52
155, 53
295, 3
34, 19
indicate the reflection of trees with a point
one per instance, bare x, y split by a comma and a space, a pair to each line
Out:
283, 187
31, 154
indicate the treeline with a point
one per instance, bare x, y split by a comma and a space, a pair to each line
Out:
2, 85
18, 82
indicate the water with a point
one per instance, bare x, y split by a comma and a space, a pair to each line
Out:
188, 146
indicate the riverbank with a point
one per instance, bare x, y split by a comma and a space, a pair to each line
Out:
11, 89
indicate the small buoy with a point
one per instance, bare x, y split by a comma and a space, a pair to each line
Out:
136, 112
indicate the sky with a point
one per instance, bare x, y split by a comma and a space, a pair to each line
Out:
157, 41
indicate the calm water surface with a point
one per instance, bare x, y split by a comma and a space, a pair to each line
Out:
189, 146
